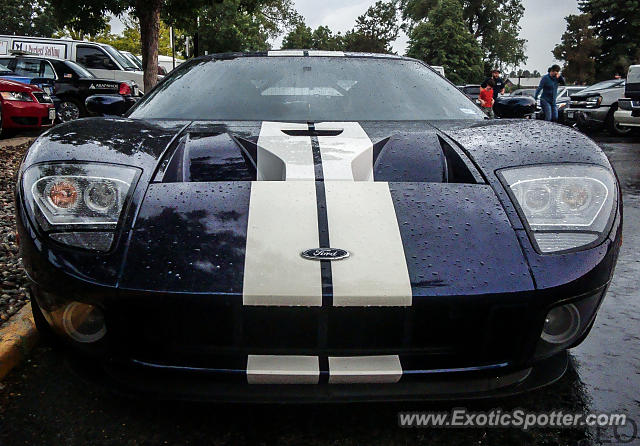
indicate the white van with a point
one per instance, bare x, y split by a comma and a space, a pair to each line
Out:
102, 60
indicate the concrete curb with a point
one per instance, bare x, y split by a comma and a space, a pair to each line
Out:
17, 337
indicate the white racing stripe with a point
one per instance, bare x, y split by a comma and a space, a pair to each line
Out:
347, 156
365, 369
363, 221
284, 157
283, 221
326, 53
276, 369
286, 53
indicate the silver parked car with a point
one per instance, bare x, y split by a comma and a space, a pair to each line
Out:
628, 113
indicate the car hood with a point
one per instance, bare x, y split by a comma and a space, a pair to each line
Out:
227, 208
17, 83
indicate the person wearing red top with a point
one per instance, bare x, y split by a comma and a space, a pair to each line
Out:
486, 98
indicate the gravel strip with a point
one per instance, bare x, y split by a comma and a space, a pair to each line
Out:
13, 281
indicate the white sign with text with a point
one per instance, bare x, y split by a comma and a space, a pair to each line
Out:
41, 49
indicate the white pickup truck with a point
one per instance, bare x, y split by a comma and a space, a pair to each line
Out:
628, 113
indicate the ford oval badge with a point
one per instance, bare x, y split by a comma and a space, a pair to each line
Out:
325, 254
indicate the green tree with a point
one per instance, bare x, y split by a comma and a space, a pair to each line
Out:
224, 25
375, 30
89, 17
578, 48
298, 38
617, 25
322, 38
129, 39
495, 24
445, 40
239, 25
31, 18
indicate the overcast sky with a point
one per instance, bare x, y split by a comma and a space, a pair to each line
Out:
542, 25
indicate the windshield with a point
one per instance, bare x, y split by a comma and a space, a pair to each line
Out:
123, 61
132, 59
305, 89
604, 84
475, 90
79, 70
4, 69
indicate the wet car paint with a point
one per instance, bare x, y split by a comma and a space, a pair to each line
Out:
603, 377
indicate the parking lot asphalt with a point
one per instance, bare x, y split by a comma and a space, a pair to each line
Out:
44, 402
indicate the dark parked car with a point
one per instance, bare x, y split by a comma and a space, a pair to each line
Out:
472, 92
515, 107
73, 84
530, 92
300, 225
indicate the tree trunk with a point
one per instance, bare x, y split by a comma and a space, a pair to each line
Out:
148, 13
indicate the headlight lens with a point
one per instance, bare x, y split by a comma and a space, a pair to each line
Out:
69, 198
566, 206
16, 96
594, 101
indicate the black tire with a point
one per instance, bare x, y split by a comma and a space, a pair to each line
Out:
584, 128
612, 127
47, 336
70, 109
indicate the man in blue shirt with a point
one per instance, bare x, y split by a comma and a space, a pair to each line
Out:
549, 88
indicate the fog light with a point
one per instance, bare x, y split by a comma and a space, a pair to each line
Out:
561, 324
83, 322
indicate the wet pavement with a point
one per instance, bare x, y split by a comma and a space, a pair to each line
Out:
44, 403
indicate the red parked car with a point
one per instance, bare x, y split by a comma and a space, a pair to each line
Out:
24, 106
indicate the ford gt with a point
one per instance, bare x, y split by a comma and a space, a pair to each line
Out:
316, 226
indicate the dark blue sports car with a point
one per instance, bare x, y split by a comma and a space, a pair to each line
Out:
311, 225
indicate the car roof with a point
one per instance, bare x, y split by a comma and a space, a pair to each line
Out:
35, 56
304, 53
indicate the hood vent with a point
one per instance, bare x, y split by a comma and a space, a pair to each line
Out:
339, 154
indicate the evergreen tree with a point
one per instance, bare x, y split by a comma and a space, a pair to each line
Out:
445, 40
578, 49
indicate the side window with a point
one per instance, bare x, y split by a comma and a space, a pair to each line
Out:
94, 58
27, 67
5, 62
47, 70
64, 72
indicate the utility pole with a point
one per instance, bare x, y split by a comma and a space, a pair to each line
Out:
173, 47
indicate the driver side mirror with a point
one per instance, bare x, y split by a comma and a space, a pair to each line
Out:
515, 107
107, 105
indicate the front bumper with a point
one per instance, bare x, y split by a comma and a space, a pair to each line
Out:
16, 114
586, 117
146, 381
628, 118
181, 347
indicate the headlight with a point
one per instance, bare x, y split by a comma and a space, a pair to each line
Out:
594, 101
16, 96
565, 206
67, 199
